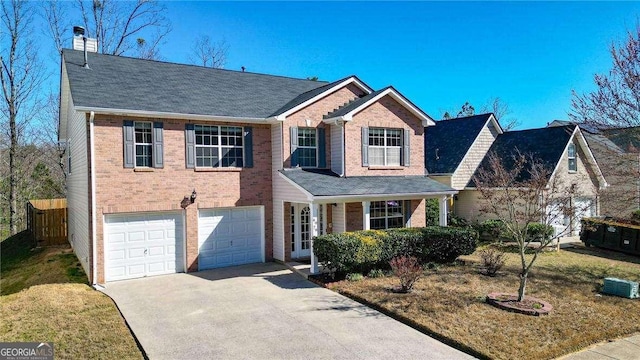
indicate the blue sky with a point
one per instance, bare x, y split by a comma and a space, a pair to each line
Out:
439, 54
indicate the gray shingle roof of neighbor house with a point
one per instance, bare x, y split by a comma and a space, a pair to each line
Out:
545, 145
594, 136
326, 183
117, 82
448, 142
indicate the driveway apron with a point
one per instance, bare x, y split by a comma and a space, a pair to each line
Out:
261, 311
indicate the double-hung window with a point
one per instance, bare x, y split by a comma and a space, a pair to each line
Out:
143, 143
385, 147
573, 163
219, 146
307, 147
386, 214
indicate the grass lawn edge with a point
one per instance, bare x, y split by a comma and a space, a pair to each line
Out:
414, 325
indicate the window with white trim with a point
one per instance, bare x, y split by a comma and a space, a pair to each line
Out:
307, 147
143, 143
573, 162
219, 146
386, 214
385, 146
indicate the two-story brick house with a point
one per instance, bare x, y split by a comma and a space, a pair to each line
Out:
176, 168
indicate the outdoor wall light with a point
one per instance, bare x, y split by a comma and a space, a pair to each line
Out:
193, 196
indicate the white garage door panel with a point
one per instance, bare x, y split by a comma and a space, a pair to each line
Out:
229, 237
140, 245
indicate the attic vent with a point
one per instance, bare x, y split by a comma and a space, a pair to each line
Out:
92, 44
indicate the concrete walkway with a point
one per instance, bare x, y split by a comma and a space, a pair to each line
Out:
261, 311
623, 349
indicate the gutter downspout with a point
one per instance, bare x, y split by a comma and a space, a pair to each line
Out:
94, 276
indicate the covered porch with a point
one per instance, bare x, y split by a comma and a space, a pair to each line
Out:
334, 204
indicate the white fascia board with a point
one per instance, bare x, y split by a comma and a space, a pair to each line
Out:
351, 79
169, 115
426, 120
307, 194
590, 158
376, 197
495, 123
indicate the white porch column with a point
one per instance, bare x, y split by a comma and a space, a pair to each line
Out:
314, 211
366, 210
442, 202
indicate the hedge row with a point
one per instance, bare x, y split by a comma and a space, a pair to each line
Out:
362, 251
495, 230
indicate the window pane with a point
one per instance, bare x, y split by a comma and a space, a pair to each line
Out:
377, 224
376, 156
573, 166
397, 222
376, 137
393, 157
394, 137
572, 150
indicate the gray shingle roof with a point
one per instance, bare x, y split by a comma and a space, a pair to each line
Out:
448, 141
310, 94
545, 145
327, 183
127, 83
354, 104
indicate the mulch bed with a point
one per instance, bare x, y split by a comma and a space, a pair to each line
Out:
528, 306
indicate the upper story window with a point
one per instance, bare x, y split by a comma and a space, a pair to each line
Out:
219, 146
307, 147
143, 143
386, 214
385, 147
573, 163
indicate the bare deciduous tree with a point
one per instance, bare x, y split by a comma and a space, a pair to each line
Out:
522, 191
502, 112
21, 77
613, 109
118, 26
208, 54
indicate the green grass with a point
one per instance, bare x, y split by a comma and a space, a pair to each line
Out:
45, 297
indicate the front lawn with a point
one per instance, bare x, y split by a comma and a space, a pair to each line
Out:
45, 297
449, 302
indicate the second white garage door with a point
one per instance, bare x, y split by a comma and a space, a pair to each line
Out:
230, 236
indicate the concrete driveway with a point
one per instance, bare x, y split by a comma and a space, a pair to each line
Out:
261, 311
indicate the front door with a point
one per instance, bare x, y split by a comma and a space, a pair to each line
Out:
301, 223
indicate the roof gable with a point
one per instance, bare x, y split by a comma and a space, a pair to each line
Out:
116, 82
447, 143
347, 112
546, 145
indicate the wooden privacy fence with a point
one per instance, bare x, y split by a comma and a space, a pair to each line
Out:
47, 221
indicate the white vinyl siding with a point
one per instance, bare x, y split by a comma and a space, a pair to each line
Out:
338, 218
78, 187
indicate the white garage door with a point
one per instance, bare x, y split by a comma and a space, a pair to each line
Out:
583, 207
138, 245
230, 236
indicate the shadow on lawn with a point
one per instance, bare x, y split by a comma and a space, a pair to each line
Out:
603, 253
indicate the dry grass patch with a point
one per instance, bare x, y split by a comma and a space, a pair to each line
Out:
450, 302
81, 322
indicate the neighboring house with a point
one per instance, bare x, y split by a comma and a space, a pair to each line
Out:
178, 168
616, 151
563, 149
455, 148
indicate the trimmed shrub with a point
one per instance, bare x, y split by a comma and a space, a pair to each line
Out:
408, 270
376, 273
635, 215
492, 229
539, 232
492, 260
354, 277
432, 210
362, 251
